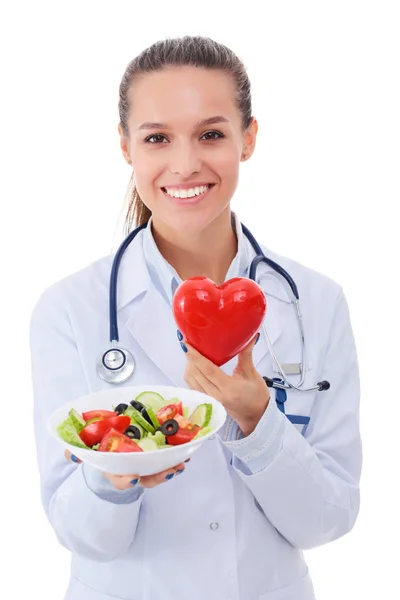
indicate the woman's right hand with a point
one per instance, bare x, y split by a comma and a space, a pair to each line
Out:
125, 482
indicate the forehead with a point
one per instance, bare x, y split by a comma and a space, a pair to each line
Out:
179, 95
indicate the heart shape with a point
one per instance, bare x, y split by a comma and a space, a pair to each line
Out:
219, 321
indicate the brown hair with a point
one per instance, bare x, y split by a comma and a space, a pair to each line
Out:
197, 51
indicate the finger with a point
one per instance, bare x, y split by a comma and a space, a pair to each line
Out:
245, 363
122, 482
71, 457
203, 384
207, 367
150, 481
191, 381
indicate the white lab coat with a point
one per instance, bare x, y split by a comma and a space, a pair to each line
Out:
218, 531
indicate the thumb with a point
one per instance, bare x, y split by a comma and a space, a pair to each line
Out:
245, 357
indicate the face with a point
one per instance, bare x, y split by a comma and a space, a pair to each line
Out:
185, 145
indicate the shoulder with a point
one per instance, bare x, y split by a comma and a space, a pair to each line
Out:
313, 286
82, 287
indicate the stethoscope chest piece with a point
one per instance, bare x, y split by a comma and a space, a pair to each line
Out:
115, 365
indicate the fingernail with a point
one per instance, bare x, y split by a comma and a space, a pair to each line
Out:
134, 481
187, 460
183, 347
170, 476
74, 458
180, 471
180, 336
258, 337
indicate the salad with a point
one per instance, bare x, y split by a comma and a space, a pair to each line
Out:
148, 423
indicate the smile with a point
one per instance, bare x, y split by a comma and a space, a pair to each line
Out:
193, 192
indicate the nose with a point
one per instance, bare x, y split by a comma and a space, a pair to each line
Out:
185, 160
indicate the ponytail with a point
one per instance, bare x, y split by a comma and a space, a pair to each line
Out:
137, 212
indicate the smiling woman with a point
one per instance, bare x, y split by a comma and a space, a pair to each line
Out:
186, 125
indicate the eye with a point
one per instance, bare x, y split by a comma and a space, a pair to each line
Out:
212, 135
156, 138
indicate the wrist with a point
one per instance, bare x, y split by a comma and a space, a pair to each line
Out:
247, 426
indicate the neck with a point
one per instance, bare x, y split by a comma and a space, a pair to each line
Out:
207, 253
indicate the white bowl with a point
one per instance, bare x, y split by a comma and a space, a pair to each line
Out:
136, 463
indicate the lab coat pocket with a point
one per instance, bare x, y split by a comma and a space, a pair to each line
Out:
301, 590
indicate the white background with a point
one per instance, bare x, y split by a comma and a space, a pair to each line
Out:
322, 187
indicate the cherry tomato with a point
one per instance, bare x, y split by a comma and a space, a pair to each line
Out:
114, 441
94, 432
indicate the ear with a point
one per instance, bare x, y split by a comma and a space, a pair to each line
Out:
249, 141
124, 143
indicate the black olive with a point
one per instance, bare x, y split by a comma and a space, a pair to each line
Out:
133, 432
138, 405
146, 416
121, 408
142, 409
170, 427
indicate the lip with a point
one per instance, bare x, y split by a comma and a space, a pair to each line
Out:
189, 201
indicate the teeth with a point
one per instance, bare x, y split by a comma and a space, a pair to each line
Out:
190, 193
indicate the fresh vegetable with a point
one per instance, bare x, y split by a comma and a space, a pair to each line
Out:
98, 414
115, 441
137, 418
183, 435
147, 423
201, 415
78, 422
94, 432
169, 412
69, 434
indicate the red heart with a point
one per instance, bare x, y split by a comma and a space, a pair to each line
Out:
219, 321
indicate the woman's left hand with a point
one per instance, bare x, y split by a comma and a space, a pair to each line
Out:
244, 395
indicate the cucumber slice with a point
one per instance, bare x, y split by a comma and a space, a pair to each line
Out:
186, 412
138, 419
151, 400
153, 417
147, 444
203, 432
76, 419
201, 415
128, 413
158, 437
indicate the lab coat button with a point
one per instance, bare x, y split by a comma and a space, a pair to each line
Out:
214, 526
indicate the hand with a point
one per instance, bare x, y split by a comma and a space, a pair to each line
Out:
125, 482
244, 394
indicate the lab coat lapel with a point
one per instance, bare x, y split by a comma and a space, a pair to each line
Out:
152, 325
278, 303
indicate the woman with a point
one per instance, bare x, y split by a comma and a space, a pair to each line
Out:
233, 525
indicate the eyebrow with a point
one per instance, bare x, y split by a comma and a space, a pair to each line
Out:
210, 121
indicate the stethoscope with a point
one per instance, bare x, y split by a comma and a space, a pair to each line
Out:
116, 365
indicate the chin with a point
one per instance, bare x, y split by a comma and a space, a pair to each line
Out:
194, 223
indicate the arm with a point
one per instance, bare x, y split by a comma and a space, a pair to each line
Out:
308, 486
89, 516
